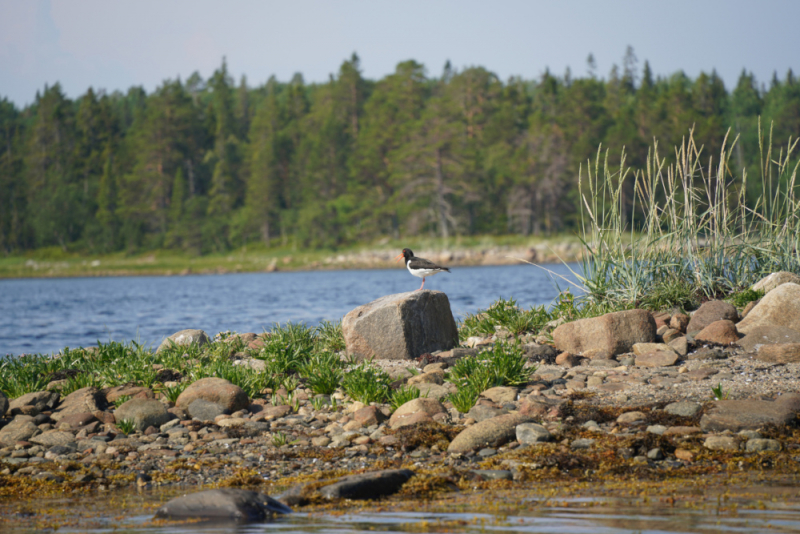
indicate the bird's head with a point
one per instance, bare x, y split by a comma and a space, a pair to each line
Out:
405, 254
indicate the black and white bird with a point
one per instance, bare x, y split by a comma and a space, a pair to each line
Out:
420, 267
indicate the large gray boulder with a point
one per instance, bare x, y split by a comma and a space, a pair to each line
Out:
401, 327
143, 413
185, 337
218, 390
710, 312
615, 333
228, 504
770, 282
779, 307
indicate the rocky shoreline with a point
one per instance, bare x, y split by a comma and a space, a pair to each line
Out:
630, 396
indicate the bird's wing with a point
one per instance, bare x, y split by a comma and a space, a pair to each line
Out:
422, 263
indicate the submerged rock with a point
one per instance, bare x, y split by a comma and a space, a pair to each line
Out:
228, 504
358, 487
401, 326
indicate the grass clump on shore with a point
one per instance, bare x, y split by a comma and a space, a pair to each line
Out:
691, 232
503, 365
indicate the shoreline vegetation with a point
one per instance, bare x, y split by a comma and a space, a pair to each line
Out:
457, 252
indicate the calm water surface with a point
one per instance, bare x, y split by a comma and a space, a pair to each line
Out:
46, 315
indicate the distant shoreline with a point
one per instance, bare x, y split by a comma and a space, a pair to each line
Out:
168, 263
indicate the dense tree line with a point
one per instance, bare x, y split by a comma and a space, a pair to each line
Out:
206, 165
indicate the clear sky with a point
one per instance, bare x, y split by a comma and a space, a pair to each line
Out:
114, 45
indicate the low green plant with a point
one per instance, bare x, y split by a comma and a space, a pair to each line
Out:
718, 393
279, 439
126, 426
403, 395
329, 336
119, 401
319, 402
323, 372
366, 383
80, 381
670, 293
742, 298
172, 393
464, 398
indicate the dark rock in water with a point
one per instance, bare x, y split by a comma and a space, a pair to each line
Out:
223, 505
401, 327
736, 415
358, 487
205, 410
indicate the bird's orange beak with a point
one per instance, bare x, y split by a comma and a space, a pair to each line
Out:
398, 257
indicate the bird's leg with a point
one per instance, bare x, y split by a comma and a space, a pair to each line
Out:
423, 284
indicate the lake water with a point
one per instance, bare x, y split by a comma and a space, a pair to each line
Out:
46, 315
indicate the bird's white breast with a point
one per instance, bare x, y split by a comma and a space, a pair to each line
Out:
422, 273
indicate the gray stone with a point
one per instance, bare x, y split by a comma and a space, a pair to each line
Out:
489, 433
17, 430
783, 353
680, 345
779, 307
532, 433
84, 400
416, 410
736, 415
659, 358
143, 413
205, 410
721, 443
770, 282
540, 353
52, 438
759, 336
41, 400
628, 418
683, 408
185, 338
655, 454
482, 412
218, 390
493, 474
501, 394
435, 391
763, 445
229, 504
656, 429
401, 326
709, 312
582, 443
615, 333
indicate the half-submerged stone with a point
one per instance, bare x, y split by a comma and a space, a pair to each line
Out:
401, 327
365, 486
230, 505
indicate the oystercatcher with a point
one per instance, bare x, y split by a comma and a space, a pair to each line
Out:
420, 267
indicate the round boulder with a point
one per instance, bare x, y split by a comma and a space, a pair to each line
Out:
218, 390
416, 410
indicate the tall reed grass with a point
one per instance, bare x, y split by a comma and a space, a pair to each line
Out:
691, 230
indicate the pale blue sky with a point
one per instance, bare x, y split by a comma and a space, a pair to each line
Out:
114, 45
